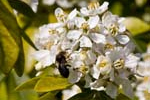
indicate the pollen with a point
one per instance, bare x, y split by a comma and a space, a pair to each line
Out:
84, 26
48, 45
103, 63
108, 46
83, 69
53, 31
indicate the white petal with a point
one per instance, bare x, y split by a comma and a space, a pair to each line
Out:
38, 66
91, 56
95, 72
93, 21
48, 2
39, 55
79, 21
131, 61
122, 28
72, 14
123, 39
111, 90
74, 34
64, 3
103, 7
84, 11
85, 42
74, 76
98, 38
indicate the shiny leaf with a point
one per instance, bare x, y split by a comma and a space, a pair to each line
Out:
51, 83
28, 85
136, 26
9, 50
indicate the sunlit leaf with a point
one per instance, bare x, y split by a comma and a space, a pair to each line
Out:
136, 26
22, 7
10, 23
9, 50
3, 91
51, 83
28, 85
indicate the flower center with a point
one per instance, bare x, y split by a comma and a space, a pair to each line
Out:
93, 5
103, 63
61, 17
53, 31
84, 26
83, 69
108, 46
118, 64
83, 55
48, 45
113, 29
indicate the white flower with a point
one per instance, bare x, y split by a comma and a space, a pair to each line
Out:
94, 9
68, 93
121, 59
143, 89
92, 22
67, 19
103, 66
98, 85
74, 76
46, 57
49, 35
85, 42
144, 66
62, 3
97, 38
114, 27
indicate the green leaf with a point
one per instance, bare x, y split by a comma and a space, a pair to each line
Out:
86, 95
49, 96
26, 37
22, 7
9, 50
3, 91
122, 97
91, 95
28, 85
101, 95
51, 83
10, 23
136, 26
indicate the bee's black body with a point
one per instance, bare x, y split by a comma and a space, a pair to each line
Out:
62, 64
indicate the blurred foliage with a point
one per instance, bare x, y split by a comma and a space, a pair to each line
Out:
22, 25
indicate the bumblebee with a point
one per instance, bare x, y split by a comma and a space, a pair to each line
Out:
62, 64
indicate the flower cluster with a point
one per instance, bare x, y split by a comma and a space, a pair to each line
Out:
96, 44
143, 87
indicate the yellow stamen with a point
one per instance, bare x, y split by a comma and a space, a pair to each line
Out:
93, 5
